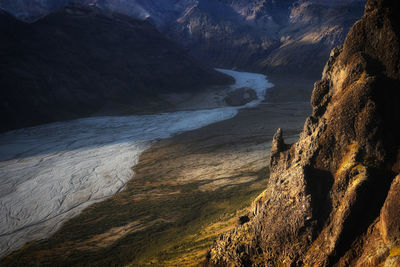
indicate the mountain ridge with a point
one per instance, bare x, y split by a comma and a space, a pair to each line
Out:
55, 69
264, 36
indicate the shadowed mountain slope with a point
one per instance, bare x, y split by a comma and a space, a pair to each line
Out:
287, 36
270, 36
333, 197
80, 60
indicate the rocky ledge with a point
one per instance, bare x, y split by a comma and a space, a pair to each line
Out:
333, 197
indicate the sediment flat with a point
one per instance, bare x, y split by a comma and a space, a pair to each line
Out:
195, 182
50, 173
185, 191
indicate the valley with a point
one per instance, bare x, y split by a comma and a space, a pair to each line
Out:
199, 133
184, 192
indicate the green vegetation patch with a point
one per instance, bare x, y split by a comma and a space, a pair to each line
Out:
137, 227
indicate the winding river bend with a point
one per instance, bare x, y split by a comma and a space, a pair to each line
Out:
50, 173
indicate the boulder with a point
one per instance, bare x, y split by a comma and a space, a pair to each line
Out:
241, 96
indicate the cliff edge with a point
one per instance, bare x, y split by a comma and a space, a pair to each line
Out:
333, 197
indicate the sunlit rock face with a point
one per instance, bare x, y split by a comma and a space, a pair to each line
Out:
333, 196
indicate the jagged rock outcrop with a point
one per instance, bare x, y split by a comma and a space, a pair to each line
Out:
81, 60
333, 198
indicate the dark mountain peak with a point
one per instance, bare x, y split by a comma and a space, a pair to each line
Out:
80, 60
290, 36
4, 13
80, 8
333, 197
31, 10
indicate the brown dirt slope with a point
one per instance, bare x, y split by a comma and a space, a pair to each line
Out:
333, 197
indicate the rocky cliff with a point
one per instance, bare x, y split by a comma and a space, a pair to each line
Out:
333, 197
80, 60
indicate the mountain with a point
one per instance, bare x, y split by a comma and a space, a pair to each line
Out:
313, 29
161, 12
269, 36
31, 9
333, 197
287, 36
81, 60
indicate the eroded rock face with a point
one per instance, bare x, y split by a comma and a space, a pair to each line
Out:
332, 197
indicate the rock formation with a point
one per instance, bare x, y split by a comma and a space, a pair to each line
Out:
241, 96
80, 60
333, 198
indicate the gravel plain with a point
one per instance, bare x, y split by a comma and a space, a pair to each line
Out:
50, 173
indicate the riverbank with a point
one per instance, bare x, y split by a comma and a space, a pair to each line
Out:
290, 88
50, 173
186, 190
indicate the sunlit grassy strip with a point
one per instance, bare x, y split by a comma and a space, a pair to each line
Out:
187, 245
174, 229
192, 249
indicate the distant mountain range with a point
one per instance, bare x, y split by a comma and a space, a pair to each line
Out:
96, 56
269, 36
272, 36
80, 61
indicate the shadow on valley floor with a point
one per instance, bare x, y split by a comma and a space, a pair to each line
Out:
166, 214
103, 131
186, 190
